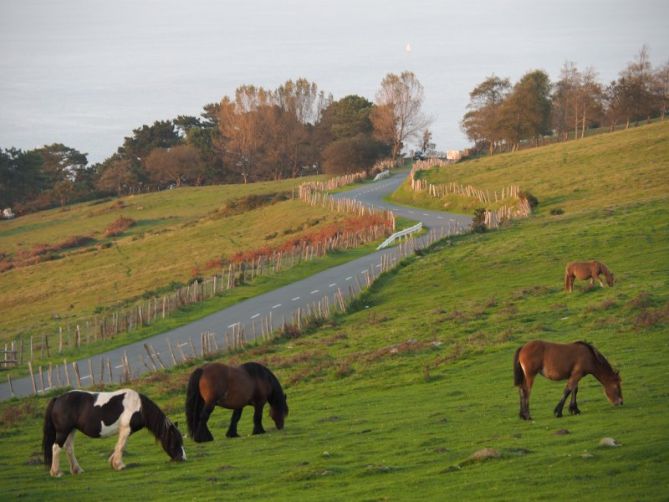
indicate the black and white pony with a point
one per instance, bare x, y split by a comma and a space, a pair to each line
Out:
101, 414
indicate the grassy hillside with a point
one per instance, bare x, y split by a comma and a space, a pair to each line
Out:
389, 401
616, 168
176, 234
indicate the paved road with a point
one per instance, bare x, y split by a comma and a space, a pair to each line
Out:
273, 307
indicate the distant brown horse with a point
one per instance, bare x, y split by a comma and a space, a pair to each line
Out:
583, 270
232, 387
558, 361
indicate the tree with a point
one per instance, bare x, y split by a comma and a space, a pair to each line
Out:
526, 111
21, 176
631, 96
345, 133
117, 175
482, 122
352, 154
179, 164
565, 100
426, 140
61, 163
398, 116
591, 98
661, 88
162, 134
345, 118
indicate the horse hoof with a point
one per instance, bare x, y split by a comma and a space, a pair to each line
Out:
118, 467
77, 470
262, 431
230, 435
56, 474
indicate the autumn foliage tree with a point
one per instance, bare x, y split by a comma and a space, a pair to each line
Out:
178, 164
398, 115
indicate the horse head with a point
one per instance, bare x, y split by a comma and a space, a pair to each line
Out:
613, 389
278, 411
172, 441
610, 279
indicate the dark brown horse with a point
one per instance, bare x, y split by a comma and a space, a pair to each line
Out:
557, 361
583, 270
232, 387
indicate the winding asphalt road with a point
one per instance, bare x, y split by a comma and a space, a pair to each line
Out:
270, 308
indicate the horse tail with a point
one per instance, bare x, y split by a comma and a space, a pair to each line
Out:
518, 373
49, 437
194, 401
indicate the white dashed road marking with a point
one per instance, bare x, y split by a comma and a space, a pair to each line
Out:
254, 316
295, 299
276, 306
314, 291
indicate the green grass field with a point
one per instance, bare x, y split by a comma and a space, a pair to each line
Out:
389, 401
176, 234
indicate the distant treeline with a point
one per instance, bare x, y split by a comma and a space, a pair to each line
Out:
257, 134
501, 117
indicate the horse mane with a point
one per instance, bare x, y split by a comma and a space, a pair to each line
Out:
276, 397
154, 419
599, 357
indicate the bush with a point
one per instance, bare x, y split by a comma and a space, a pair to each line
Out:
119, 226
557, 210
478, 223
531, 199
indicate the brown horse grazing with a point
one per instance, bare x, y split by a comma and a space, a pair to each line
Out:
583, 270
558, 361
233, 388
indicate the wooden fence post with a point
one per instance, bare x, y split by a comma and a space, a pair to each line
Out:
75, 366
67, 373
32, 377
11, 387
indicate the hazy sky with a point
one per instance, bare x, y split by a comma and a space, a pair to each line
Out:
86, 72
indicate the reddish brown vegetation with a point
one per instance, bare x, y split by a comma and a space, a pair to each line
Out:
328, 233
41, 252
119, 226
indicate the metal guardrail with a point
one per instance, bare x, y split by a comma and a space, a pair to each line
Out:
382, 175
401, 233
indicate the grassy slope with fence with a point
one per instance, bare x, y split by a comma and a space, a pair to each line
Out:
624, 166
390, 400
109, 283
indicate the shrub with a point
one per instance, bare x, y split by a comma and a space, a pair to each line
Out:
119, 226
478, 223
557, 210
531, 199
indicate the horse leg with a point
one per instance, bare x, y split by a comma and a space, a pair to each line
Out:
55, 450
202, 432
116, 458
558, 409
257, 419
573, 407
75, 468
525, 391
572, 383
232, 430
